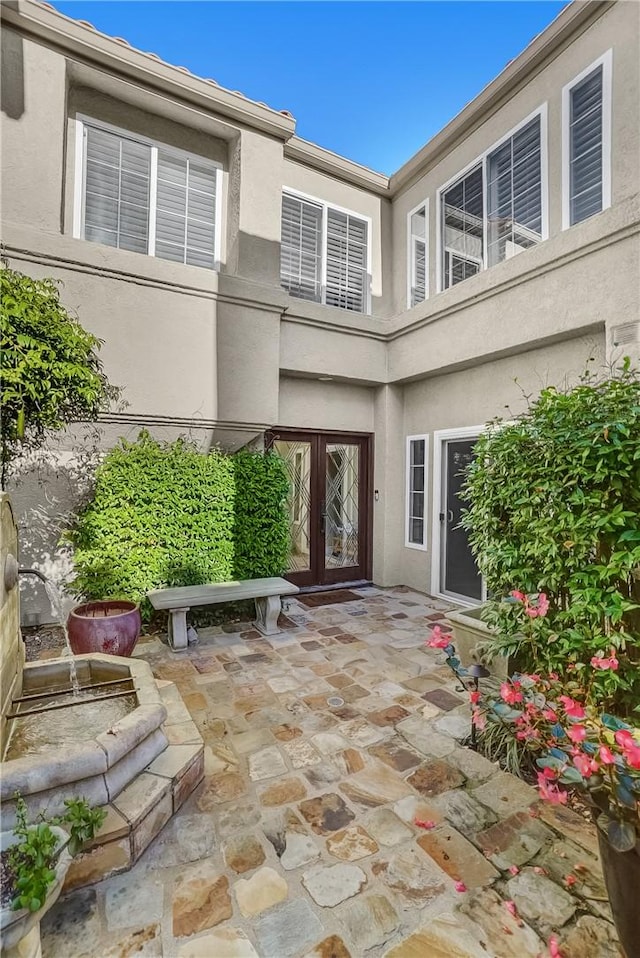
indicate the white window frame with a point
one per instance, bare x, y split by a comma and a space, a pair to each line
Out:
411, 263
542, 112
606, 62
81, 122
306, 197
422, 546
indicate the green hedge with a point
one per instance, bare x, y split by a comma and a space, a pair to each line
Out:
554, 506
164, 514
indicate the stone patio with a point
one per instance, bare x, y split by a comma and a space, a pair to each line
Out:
325, 746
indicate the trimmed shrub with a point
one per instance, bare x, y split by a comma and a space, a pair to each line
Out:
167, 515
554, 506
261, 532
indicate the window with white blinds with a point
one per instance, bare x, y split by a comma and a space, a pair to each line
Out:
301, 248
498, 208
142, 196
324, 254
416, 492
514, 194
586, 136
417, 255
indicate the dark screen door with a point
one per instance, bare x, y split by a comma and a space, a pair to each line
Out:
459, 574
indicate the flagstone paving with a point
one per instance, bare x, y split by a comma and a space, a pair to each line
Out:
325, 747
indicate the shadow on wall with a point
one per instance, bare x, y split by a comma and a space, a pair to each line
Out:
12, 73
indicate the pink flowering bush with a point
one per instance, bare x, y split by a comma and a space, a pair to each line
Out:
560, 725
553, 501
574, 745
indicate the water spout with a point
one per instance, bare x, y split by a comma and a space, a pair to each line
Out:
37, 572
56, 601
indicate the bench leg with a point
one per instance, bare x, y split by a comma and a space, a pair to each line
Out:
267, 612
178, 629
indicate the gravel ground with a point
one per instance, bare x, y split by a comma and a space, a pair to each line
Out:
39, 638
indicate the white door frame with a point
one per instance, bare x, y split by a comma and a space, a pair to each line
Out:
440, 436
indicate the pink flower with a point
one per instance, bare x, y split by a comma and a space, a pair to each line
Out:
531, 611
551, 793
570, 880
543, 604
624, 738
577, 733
572, 709
511, 908
510, 692
474, 697
550, 773
599, 662
438, 639
632, 756
420, 824
479, 719
550, 715
518, 596
554, 948
585, 765
514, 870
606, 755
460, 886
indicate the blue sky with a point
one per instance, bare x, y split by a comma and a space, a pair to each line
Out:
372, 81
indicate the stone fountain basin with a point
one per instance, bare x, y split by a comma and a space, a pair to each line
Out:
99, 767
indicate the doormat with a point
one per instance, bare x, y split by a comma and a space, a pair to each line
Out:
314, 599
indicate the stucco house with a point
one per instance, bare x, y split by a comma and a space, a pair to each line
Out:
253, 287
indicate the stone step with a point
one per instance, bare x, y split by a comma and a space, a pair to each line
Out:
142, 809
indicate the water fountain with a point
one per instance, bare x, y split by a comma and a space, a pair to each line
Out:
94, 725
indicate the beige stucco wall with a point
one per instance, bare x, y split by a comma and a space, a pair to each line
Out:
308, 404
33, 98
226, 355
471, 398
618, 29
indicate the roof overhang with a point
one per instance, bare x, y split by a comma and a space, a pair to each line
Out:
81, 42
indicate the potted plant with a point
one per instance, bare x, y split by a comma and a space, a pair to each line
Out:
560, 725
34, 860
111, 626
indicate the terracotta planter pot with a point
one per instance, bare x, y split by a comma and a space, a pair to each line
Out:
112, 626
621, 872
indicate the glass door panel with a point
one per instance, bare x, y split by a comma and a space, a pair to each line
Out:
297, 458
341, 505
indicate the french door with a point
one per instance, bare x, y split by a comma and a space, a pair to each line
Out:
329, 504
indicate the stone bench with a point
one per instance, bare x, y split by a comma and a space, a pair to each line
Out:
179, 600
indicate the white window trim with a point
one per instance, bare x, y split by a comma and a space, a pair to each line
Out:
421, 546
606, 62
410, 257
297, 194
83, 120
542, 112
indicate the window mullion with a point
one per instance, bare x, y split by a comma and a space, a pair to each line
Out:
323, 255
153, 200
186, 211
485, 213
